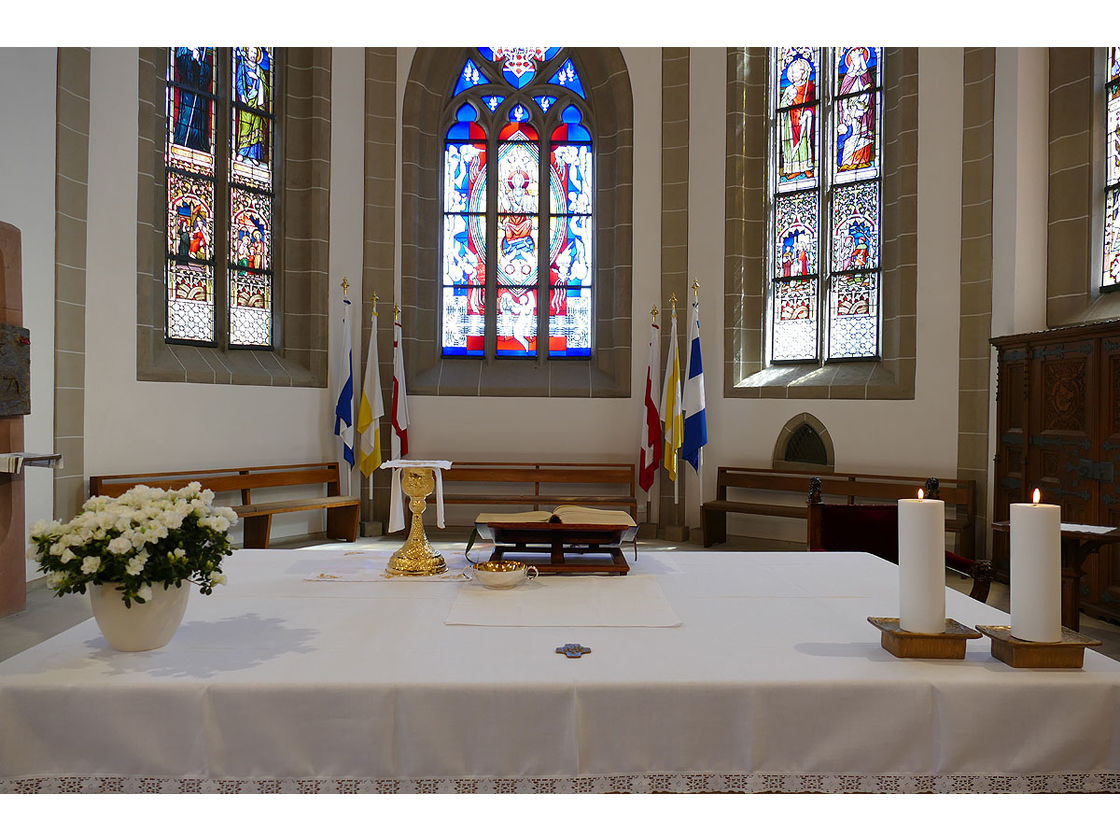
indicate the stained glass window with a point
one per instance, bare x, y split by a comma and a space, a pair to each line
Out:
826, 203
1110, 267
517, 251
220, 178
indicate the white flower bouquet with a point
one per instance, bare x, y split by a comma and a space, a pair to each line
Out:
145, 536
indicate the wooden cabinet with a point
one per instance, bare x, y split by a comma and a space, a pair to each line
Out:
1058, 429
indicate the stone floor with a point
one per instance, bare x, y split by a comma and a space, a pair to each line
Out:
47, 615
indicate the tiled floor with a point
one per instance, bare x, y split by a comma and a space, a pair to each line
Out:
47, 615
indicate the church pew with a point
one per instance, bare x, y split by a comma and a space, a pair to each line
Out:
342, 511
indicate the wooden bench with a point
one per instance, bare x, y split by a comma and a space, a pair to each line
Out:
791, 492
342, 511
533, 485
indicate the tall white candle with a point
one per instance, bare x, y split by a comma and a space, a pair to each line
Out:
921, 565
1036, 572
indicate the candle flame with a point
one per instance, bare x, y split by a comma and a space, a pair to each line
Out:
1037, 495
921, 494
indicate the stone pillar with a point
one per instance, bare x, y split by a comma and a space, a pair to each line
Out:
13, 580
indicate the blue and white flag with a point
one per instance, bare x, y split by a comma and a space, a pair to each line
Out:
695, 424
343, 377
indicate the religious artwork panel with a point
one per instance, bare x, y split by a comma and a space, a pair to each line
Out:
856, 133
190, 218
190, 107
567, 76
518, 196
518, 64
853, 324
795, 98
1111, 238
571, 251
250, 229
250, 314
464, 259
569, 322
794, 320
857, 69
517, 321
464, 178
571, 178
190, 302
545, 102
1112, 173
463, 326
252, 79
517, 249
470, 76
796, 223
493, 102
855, 227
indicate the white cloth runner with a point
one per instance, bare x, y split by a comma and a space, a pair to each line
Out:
376, 575
625, 601
396, 502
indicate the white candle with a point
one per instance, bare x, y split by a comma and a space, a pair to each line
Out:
921, 565
1036, 572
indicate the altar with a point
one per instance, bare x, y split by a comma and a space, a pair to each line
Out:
769, 679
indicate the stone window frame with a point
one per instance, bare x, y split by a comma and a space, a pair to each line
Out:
606, 373
745, 272
1075, 189
300, 291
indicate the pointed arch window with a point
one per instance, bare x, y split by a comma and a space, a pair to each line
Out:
825, 207
517, 257
219, 158
1110, 274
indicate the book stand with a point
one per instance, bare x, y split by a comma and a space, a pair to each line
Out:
564, 543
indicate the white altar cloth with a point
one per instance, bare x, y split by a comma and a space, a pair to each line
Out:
773, 681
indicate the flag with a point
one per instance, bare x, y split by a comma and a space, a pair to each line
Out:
671, 406
695, 424
398, 437
371, 408
344, 378
651, 417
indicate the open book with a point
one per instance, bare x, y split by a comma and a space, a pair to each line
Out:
568, 514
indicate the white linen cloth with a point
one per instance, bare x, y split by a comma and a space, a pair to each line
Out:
620, 601
774, 680
397, 500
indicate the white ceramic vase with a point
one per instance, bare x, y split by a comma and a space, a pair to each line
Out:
142, 626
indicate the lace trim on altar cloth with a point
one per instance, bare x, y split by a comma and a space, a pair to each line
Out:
640, 783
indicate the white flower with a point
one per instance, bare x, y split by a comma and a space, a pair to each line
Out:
144, 592
38, 528
226, 513
120, 545
180, 553
217, 578
55, 580
135, 565
91, 565
68, 555
57, 548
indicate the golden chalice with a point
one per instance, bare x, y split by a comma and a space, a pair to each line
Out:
416, 556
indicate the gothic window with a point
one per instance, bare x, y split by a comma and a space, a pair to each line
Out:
517, 244
825, 209
219, 159
1110, 275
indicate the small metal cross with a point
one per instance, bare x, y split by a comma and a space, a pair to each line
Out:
573, 650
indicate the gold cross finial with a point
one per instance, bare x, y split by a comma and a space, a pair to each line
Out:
396, 310
673, 301
373, 300
696, 285
653, 311
345, 285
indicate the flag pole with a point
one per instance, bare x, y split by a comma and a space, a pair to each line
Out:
676, 471
345, 290
373, 338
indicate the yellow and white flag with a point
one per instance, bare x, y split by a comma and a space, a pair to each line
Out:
672, 414
371, 408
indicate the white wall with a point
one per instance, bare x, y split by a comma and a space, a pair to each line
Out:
27, 170
133, 426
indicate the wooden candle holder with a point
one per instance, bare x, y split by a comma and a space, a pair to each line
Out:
907, 645
1018, 653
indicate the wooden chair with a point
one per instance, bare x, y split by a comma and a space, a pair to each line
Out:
874, 529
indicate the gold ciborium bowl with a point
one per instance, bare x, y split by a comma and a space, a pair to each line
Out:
501, 574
